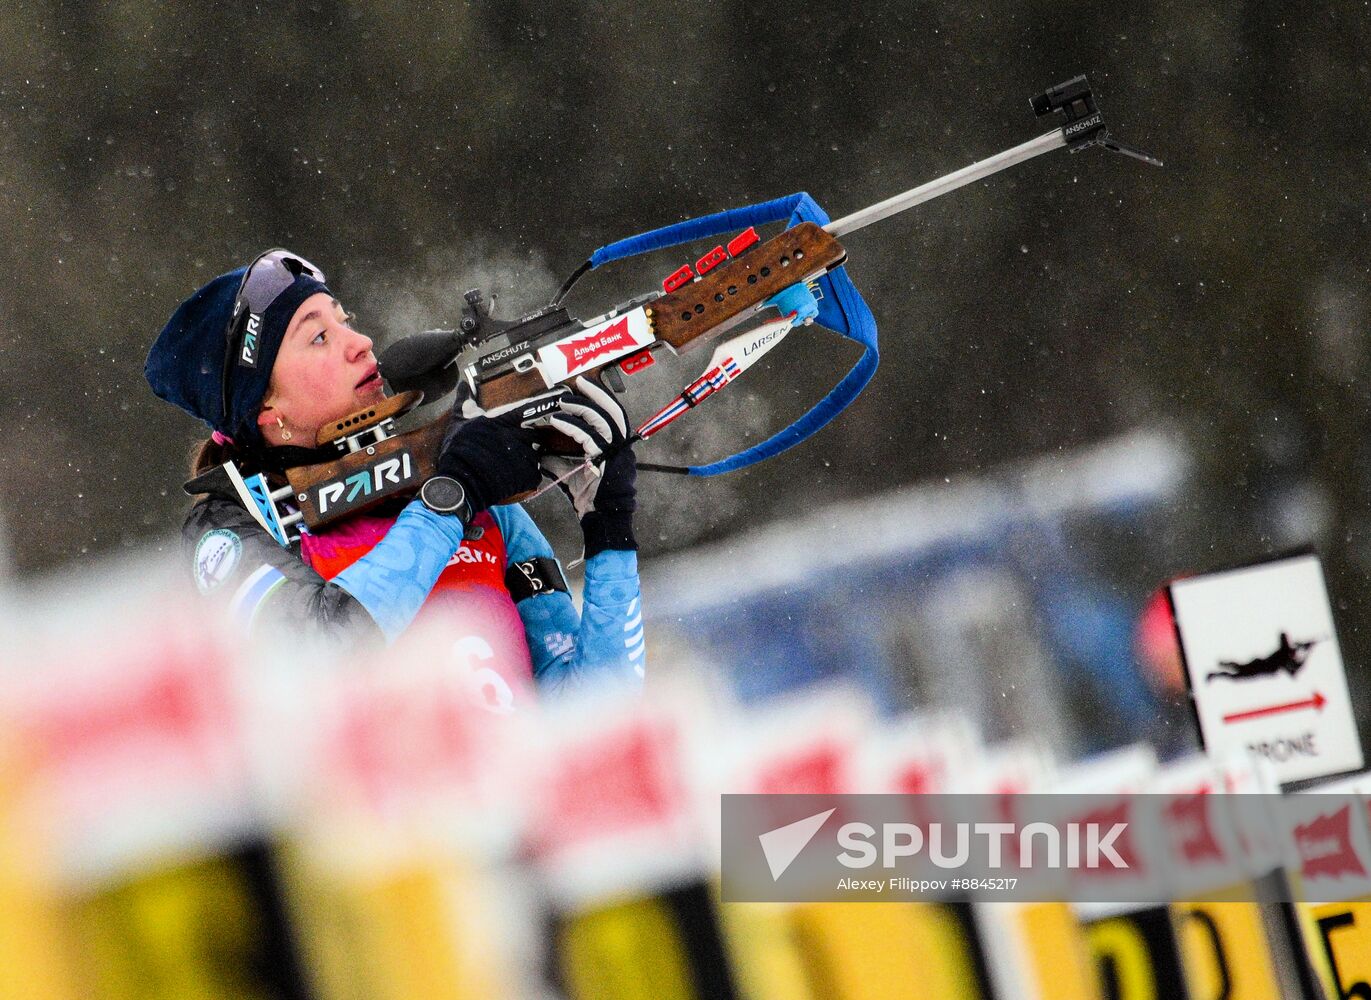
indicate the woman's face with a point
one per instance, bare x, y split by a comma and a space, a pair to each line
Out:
324, 370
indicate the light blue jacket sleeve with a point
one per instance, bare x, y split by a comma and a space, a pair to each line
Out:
393, 580
605, 642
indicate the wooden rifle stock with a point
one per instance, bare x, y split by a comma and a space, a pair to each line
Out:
684, 319
705, 309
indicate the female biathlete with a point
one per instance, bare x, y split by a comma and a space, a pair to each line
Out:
266, 355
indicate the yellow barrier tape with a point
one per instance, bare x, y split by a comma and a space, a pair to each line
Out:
396, 933
1225, 951
1138, 956
876, 951
1054, 957
35, 960
196, 931
1338, 936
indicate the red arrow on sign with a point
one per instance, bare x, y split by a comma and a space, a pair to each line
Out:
1316, 703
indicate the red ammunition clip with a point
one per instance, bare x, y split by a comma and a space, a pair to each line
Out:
742, 241
711, 260
635, 363
677, 278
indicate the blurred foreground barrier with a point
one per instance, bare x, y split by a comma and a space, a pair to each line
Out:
1135, 945
616, 840
183, 816
34, 958
135, 783
393, 796
1237, 938
812, 745
1330, 840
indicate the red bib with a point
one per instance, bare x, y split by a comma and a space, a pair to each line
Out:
472, 585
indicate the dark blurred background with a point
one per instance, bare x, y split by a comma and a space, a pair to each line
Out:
414, 152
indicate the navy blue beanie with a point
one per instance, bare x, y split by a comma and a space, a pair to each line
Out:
186, 363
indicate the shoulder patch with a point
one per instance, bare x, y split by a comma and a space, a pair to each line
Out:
216, 557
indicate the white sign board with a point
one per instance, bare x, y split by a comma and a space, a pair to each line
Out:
1264, 668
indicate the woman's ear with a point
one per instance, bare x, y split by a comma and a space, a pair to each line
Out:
268, 423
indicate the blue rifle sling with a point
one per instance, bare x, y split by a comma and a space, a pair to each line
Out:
841, 309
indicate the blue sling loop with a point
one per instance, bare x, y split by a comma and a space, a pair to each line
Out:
841, 309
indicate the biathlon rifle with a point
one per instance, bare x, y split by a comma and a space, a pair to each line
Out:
503, 363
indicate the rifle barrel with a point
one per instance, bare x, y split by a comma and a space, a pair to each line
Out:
1047, 142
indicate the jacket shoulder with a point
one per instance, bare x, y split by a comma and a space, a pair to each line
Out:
213, 512
219, 535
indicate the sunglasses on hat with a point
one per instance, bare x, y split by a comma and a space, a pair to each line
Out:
270, 274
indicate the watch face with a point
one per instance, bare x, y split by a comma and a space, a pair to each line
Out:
443, 494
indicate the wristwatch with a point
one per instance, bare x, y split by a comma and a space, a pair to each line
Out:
445, 495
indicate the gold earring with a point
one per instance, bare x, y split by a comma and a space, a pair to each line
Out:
281, 424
